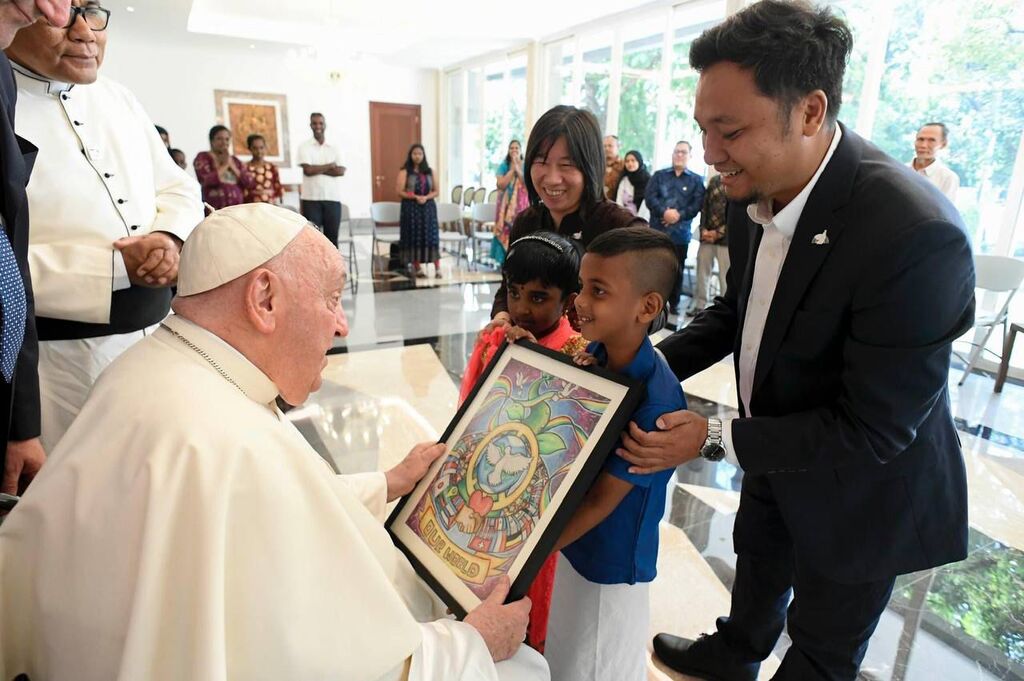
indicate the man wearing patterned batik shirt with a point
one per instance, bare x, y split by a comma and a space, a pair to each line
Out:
108, 207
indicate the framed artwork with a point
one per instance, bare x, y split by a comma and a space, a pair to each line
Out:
248, 113
523, 450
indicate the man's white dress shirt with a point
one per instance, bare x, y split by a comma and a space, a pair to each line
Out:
319, 187
771, 257
942, 176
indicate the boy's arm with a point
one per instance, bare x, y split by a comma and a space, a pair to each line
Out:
599, 503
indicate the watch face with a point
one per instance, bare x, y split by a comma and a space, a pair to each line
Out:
712, 452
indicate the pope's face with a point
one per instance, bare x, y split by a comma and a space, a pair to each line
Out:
69, 55
317, 319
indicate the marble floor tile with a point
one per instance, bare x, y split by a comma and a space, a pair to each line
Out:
686, 597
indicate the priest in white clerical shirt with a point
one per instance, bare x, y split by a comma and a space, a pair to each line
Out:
184, 529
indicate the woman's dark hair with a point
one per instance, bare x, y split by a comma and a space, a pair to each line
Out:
217, 128
582, 135
160, 130
252, 138
410, 167
545, 257
793, 49
508, 155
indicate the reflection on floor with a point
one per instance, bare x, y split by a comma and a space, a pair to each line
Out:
393, 383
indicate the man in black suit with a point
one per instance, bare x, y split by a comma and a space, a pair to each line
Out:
850, 279
19, 393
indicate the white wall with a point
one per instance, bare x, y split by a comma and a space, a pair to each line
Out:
175, 80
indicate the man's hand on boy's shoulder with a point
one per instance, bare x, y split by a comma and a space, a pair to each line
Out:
517, 333
584, 359
680, 436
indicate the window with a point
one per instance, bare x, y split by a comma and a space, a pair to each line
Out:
917, 61
486, 110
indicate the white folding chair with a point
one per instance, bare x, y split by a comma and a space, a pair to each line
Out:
347, 246
385, 215
997, 274
482, 228
449, 219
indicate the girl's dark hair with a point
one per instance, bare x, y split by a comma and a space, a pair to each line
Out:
546, 257
793, 48
217, 128
410, 167
252, 138
508, 155
582, 135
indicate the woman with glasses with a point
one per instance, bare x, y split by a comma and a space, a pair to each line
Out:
222, 176
102, 257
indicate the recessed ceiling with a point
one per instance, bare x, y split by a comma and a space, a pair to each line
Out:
414, 33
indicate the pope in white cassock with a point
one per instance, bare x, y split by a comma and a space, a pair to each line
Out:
184, 529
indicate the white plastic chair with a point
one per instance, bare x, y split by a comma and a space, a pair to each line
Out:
449, 219
997, 274
346, 243
385, 215
481, 228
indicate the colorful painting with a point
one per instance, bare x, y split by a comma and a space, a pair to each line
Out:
499, 477
521, 453
249, 113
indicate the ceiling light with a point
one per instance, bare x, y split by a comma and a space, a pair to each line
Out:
129, 8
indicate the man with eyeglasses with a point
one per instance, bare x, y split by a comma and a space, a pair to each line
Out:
674, 196
21, 454
109, 210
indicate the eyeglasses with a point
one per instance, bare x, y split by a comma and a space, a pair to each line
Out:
96, 18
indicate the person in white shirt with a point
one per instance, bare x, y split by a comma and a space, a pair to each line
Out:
931, 138
320, 197
184, 529
108, 210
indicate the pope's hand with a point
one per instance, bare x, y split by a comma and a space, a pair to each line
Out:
403, 477
503, 627
24, 459
681, 435
152, 259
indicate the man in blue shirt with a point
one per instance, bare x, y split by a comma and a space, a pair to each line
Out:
674, 196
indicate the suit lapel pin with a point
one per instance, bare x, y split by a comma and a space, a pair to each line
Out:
820, 239
577, 236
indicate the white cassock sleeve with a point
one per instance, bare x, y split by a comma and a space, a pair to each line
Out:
371, 489
179, 203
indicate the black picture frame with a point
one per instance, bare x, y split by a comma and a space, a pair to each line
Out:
623, 395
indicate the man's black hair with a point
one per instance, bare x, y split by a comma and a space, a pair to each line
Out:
793, 48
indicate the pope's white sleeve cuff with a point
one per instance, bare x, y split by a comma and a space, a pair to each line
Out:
121, 280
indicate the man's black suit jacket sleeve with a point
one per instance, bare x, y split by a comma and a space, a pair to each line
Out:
16, 160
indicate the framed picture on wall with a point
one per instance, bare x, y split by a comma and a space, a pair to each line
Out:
247, 113
522, 451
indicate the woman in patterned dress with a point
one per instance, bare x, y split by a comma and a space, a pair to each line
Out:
266, 186
513, 199
418, 230
221, 175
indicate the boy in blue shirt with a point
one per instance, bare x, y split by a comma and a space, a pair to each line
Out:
600, 610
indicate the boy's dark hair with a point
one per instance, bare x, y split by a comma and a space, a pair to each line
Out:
546, 257
792, 47
252, 138
656, 267
171, 151
217, 128
582, 135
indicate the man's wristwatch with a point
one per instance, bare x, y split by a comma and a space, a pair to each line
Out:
713, 450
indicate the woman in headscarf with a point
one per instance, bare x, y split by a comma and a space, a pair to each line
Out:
630, 192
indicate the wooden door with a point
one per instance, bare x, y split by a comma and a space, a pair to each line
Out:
393, 129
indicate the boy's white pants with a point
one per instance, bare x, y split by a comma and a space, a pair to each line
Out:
596, 632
